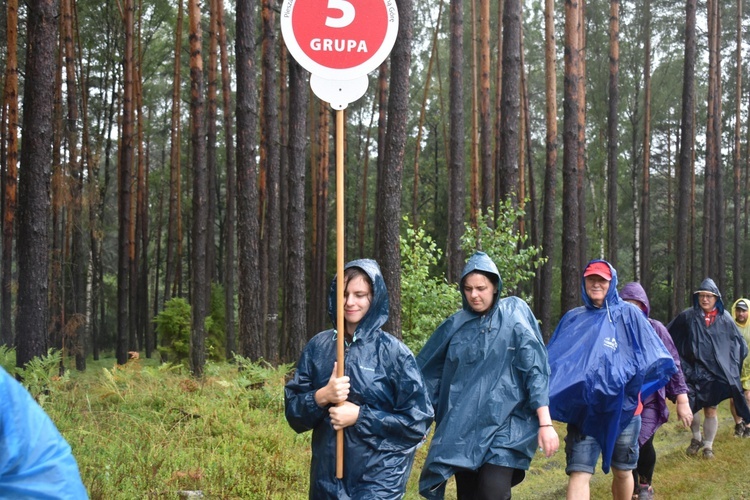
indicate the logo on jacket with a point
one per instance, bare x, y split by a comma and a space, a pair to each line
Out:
610, 342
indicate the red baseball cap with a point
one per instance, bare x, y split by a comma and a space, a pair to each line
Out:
600, 269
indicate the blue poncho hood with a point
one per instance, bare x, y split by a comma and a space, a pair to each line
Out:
35, 460
601, 359
377, 315
487, 374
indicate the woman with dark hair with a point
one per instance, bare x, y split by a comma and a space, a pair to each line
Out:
487, 372
381, 402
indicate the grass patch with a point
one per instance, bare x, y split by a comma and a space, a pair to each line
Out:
146, 430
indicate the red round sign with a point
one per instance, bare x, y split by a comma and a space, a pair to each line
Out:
339, 39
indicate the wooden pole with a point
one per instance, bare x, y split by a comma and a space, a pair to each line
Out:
340, 275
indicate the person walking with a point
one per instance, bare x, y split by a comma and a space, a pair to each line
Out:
740, 310
712, 351
381, 402
604, 357
487, 372
655, 411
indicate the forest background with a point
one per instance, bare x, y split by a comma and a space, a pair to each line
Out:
167, 173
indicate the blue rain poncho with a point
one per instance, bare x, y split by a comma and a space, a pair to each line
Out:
395, 414
711, 356
601, 360
35, 460
487, 375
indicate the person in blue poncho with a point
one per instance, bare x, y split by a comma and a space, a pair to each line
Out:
35, 460
712, 351
487, 372
604, 356
386, 411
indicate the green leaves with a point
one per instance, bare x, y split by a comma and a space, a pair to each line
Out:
426, 300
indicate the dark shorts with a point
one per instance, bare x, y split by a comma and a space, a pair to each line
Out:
582, 452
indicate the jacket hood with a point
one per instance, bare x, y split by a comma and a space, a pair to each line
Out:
612, 296
708, 285
377, 315
634, 291
481, 262
746, 301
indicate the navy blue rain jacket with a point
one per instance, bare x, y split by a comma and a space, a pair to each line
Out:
487, 375
601, 359
711, 356
35, 460
395, 413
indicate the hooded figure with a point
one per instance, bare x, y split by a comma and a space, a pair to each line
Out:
711, 356
655, 410
602, 359
35, 460
394, 410
744, 328
487, 375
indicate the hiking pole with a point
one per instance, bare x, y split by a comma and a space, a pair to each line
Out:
340, 276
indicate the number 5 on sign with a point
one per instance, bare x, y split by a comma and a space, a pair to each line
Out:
347, 14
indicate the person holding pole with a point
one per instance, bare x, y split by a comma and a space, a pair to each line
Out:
381, 401
487, 371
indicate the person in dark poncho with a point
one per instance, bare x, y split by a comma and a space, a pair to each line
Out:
35, 460
712, 351
604, 357
385, 410
655, 411
487, 372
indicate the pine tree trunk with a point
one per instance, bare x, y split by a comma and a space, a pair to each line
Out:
509, 135
570, 289
124, 188
11, 173
474, 175
456, 180
295, 297
173, 243
550, 170
231, 188
612, 130
684, 168
737, 221
211, 155
646, 273
270, 142
389, 218
200, 283
485, 121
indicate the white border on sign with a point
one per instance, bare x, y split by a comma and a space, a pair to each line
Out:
336, 73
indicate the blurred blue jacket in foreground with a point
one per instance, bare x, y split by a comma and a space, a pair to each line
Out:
35, 460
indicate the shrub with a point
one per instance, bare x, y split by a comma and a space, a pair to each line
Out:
173, 328
426, 300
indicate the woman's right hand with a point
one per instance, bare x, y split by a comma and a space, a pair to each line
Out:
335, 391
